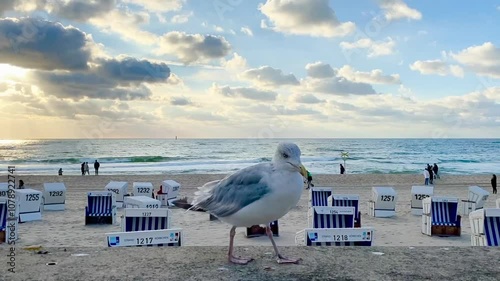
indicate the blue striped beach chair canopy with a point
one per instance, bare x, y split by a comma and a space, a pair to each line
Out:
318, 196
486, 222
331, 217
444, 210
3, 214
100, 203
142, 219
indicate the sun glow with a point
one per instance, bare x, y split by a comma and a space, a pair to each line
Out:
8, 71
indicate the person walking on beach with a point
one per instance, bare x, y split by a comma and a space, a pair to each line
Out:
21, 184
435, 169
342, 169
96, 167
87, 168
431, 174
83, 169
309, 180
494, 183
426, 176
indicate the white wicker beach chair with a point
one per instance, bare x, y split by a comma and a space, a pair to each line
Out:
318, 196
30, 204
120, 188
54, 196
4, 188
419, 193
347, 200
101, 207
8, 226
383, 202
142, 188
475, 201
142, 202
170, 189
485, 227
440, 216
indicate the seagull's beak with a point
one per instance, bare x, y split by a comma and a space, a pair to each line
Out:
303, 171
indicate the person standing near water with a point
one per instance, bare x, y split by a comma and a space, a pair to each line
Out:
494, 183
342, 169
96, 167
426, 176
83, 169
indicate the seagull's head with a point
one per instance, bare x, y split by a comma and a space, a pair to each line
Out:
288, 154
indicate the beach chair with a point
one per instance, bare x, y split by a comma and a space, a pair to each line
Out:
497, 202
142, 202
257, 230
54, 196
383, 202
347, 200
485, 227
142, 188
120, 188
30, 204
335, 237
145, 227
142, 219
475, 201
170, 191
440, 216
419, 193
101, 207
318, 196
4, 188
8, 225
331, 217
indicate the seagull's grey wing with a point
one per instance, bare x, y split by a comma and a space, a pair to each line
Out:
233, 193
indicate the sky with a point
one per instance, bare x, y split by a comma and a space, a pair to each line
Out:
249, 69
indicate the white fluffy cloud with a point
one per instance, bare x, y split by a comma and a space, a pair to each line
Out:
191, 48
375, 76
319, 70
398, 9
375, 48
437, 67
304, 17
483, 59
267, 76
236, 63
158, 5
246, 30
243, 92
181, 18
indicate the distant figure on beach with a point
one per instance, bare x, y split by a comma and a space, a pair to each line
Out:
309, 180
60, 171
87, 168
426, 176
435, 169
21, 184
83, 169
342, 169
494, 183
96, 167
431, 174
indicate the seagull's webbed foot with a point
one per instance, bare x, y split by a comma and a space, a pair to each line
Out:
239, 260
282, 260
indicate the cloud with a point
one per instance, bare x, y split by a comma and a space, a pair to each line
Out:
247, 31
397, 9
267, 76
338, 86
181, 18
307, 99
180, 101
244, 92
373, 77
375, 48
131, 70
81, 10
158, 5
7, 5
191, 48
39, 44
483, 59
319, 70
237, 63
437, 67
304, 17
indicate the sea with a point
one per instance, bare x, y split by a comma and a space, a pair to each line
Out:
223, 156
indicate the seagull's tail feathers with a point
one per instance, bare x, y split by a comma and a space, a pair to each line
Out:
204, 192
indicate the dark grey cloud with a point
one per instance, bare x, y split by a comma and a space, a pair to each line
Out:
320, 70
82, 10
268, 76
39, 44
7, 5
193, 47
130, 69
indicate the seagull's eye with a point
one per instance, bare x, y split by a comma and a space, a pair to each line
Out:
285, 155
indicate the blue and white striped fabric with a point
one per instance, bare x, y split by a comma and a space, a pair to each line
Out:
145, 223
492, 230
444, 213
3, 216
348, 203
332, 220
99, 206
320, 198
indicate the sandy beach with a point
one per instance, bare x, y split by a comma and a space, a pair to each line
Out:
66, 230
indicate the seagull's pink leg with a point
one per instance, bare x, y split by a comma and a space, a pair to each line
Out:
230, 256
280, 258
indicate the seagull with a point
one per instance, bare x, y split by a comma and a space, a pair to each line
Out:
256, 195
